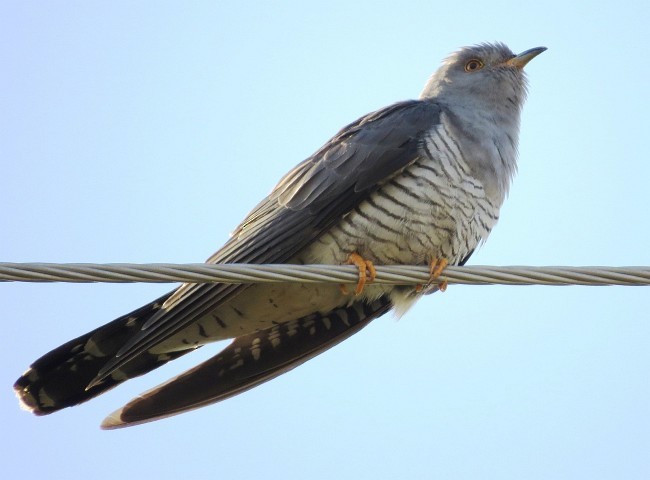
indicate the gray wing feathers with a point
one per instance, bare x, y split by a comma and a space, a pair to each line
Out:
360, 156
306, 202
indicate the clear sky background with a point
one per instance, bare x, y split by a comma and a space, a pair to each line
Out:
145, 131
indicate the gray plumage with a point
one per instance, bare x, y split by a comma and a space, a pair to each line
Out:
413, 182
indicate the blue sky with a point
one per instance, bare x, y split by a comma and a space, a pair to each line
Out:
145, 131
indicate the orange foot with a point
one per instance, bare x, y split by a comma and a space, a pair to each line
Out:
435, 270
364, 277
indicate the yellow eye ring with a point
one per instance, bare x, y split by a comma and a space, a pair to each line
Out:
473, 65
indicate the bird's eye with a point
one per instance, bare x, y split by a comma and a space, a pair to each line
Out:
473, 65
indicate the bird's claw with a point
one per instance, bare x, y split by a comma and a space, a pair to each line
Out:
436, 267
367, 273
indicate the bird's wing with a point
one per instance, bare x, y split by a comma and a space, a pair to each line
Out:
247, 362
309, 200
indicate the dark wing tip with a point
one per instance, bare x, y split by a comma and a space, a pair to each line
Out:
115, 421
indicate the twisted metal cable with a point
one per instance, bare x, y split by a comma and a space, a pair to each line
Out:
250, 273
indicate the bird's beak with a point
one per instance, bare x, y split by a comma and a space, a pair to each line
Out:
523, 58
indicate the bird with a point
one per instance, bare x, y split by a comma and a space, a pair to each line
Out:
419, 182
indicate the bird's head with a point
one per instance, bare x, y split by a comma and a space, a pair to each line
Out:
488, 74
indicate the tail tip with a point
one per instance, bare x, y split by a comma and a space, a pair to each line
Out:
36, 402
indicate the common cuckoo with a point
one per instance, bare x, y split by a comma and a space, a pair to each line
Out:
419, 182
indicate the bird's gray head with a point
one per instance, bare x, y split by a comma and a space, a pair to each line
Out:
485, 75
484, 88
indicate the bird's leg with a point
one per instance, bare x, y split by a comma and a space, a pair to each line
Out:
436, 267
364, 277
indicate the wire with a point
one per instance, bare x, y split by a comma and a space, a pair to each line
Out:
250, 273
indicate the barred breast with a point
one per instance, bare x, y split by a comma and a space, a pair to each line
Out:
434, 208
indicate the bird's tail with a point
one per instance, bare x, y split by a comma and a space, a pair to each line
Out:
249, 361
59, 378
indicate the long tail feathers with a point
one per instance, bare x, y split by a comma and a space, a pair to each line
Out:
247, 362
59, 378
